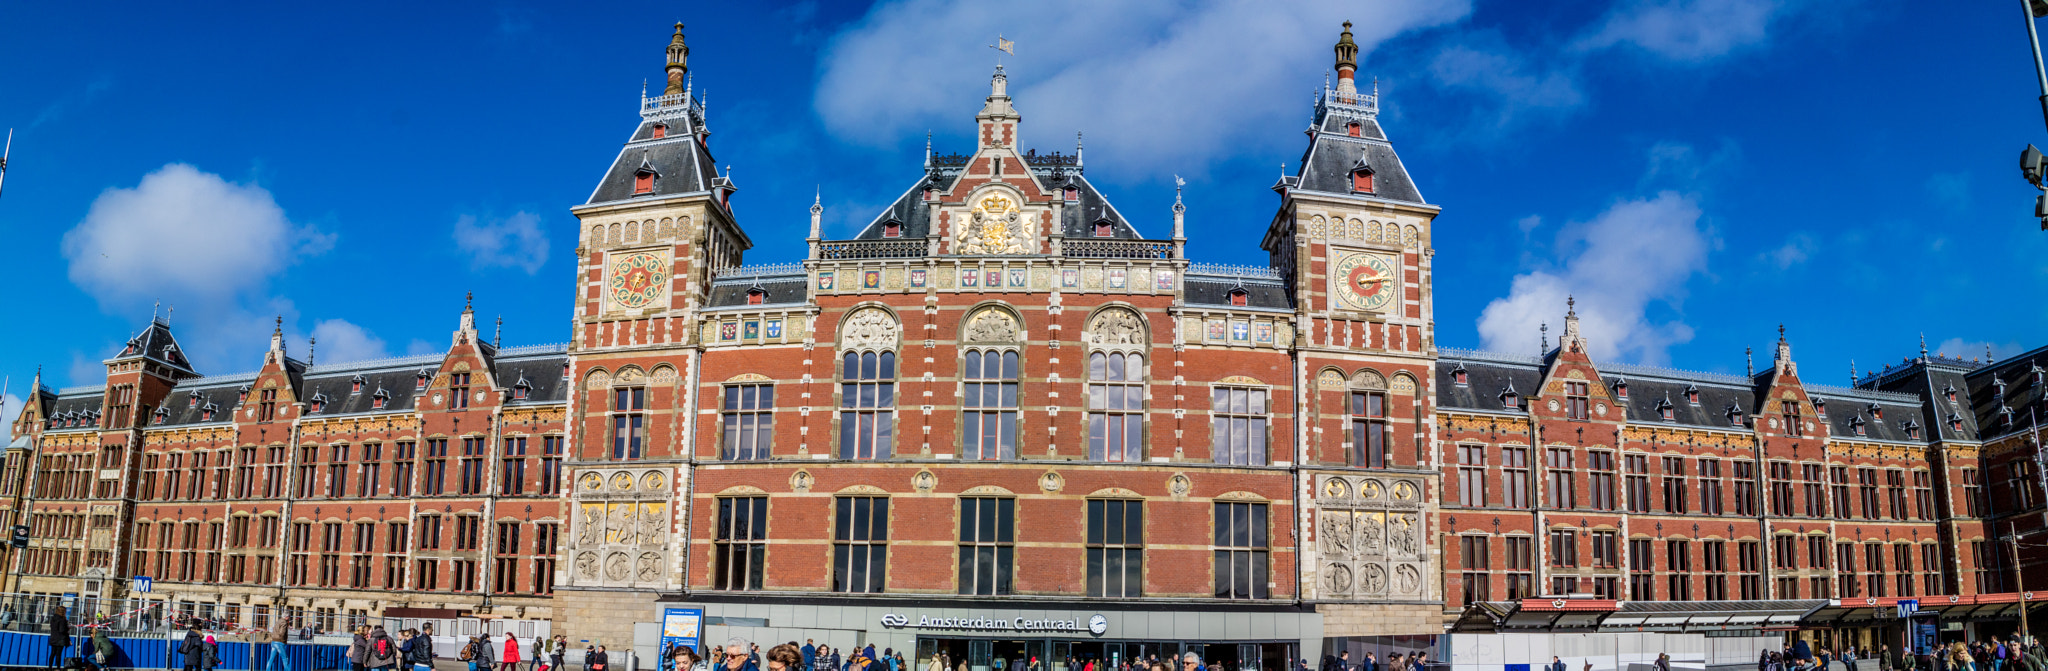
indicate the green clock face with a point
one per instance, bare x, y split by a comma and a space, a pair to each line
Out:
1364, 282
638, 279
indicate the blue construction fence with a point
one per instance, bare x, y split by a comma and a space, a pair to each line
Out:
158, 652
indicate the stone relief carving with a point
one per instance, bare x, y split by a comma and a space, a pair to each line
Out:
615, 566
1116, 326
648, 567
586, 565
653, 526
592, 526
924, 482
991, 325
1178, 485
621, 525
1051, 482
995, 227
801, 481
870, 328
1370, 545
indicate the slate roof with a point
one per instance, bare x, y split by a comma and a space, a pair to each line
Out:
188, 402
1214, 290
82, 406
1485, 379
1332, 156
681, 162
2022, 392
397, 380
156, 344
1929, 379
781, 289
542, 376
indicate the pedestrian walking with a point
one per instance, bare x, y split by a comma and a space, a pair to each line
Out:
738, 655
510, 660
561, 649
60, 637
384, 654
596, 659
359, 648
193, 648
279, 651
103, 650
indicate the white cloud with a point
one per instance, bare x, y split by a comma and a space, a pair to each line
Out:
1529, 224
342, 342
206, 246
1976, 349
417, 347
1796, 250
1154, 84
1509, 76
512, 242
1689, 31
1635, 253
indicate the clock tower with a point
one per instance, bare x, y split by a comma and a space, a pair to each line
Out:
655, 231
1352, 237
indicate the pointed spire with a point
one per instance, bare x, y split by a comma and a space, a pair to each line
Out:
277, 337
1180, 211
498, 337
927, 148
1782, 361
1749, 361
468, 322
1077, 149
1545, 343
817, 211
1923, 346
1852, 372
678, 62
1347, 63
312, 345
1571, 340
1987, 352
3, 157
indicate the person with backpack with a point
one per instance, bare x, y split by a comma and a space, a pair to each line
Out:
383, 653
193, 648
419, 649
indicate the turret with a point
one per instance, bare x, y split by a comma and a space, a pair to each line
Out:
1347, 63
678, 62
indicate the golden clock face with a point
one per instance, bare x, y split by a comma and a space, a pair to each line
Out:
637, 280
1364, 281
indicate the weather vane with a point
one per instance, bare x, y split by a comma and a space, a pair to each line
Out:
1005, 46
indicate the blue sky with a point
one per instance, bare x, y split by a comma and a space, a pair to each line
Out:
1695, 172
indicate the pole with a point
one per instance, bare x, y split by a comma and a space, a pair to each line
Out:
2040, 71
2019, 577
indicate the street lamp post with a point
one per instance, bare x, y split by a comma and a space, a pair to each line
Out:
2030, 161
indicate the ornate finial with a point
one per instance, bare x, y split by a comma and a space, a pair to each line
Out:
1852, 372
1077, 149
1571, 306
1987, 352
467, 298
1178, 184
498, 337
312, 343
1749, 361
1923, 345
279, 328
1781, 331
927, 148
678, 63
1347, 51
1545, 328
152, 309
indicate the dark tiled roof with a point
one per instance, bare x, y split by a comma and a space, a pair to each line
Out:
2022, 393
1333, 155
1259, 293
780, 290
1077, 219
680, 161
1484, 382
156, 344
399, 386
1646, 395
84, 406
541, 375
221, 393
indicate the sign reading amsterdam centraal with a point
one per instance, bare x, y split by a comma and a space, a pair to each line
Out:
1096, 624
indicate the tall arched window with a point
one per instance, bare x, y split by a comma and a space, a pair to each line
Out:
1116, 405
989, 403
1116, 385
867, 391
866, 401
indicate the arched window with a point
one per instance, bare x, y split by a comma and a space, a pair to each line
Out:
1116, 405
989, 401
867, 400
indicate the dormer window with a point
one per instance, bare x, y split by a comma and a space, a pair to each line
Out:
1509, 398
1876, 412
1072, 195
1621, 389
1354, 129
1238, 298
1104, 229
565, 370
892, 230
1692, 394
756, 296
643, 182
1361, 180
161, 416
521, 389
1458, 375
355, 385
206, 413
1955, 422
242, 395
419, 381
192, 400
660, 131
1734, 416
1820, 407
1949, 392
1912, 430
377, 400
931, 195
319, 402
1667, 411
1856, 425
171, 353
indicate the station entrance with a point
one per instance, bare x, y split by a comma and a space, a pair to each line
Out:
936, 653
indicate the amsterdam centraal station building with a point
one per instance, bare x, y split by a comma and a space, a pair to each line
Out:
1008, 420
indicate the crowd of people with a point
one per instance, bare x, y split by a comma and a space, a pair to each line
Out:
740, 655
1415, 661
2007, 654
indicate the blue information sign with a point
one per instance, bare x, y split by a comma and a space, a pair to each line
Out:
680, 628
